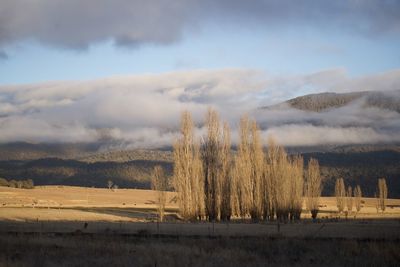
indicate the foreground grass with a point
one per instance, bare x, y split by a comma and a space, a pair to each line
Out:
140, 250
73, 226
352, 229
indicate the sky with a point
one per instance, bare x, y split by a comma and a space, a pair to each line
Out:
57, 57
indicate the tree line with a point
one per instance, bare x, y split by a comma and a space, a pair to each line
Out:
26, 184
348, 198
215, 184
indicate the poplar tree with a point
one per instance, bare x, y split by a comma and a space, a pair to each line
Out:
226, 174
382, 193
313, 187
211, 159
188, 171
340, 194
349, 199
159, 183
357, 197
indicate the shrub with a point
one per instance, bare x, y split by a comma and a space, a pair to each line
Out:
27, 184
4, 182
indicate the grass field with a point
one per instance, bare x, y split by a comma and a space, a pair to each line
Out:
117, 250
75, 226
67, 203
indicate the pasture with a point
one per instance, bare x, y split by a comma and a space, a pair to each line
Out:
66, 209
45, 226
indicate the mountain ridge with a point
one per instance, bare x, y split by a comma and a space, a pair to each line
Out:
320, 102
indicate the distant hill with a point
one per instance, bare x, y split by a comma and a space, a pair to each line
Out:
354, 165
87, 152
93, 164
53, 171
363, 168
129, 155
319, 102
31, 151
325, 101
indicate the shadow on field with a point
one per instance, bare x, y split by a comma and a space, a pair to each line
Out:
107, 249
383, 229
131, 213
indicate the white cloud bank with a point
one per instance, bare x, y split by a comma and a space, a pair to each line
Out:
144, 110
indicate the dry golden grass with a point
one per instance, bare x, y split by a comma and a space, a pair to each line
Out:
73, 196
368, 209
116, 250
74, 226
67, 203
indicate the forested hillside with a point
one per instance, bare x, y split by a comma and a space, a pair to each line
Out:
363, 168
354, 165
50, 171
324, 101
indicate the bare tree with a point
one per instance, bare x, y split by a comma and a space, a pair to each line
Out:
270, 180
349, 198
357, 197
377, 202
296, 187
235, 197
313, 187
242, 197
257, 172
268, 192
282, 177
198, 183
382, 189
109, 184
283, 184
187, 171
340, 194
226, 174
211, 158
159, 183
248, 172
115, 188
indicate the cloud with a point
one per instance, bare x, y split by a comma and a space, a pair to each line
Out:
144, 110
310, 135
35, 129
385, 81
78, 24
351, 124
281, 88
